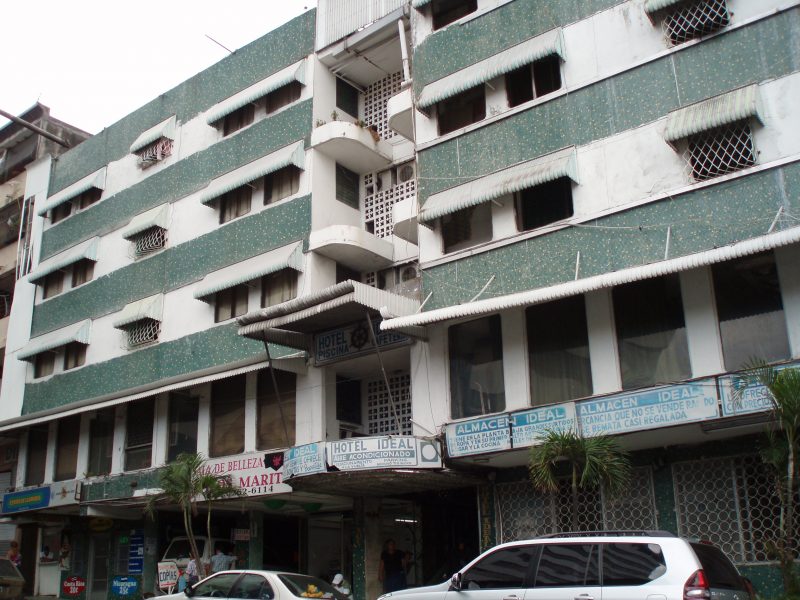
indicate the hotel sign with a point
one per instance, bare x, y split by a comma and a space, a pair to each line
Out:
351, 341
355, 454
304, 460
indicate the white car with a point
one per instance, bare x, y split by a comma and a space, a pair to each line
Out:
593, 566
259, 585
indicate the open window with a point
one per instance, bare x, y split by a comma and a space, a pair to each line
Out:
139, 434
543, 204
467, 227
276, 412
535, 80
67, 442
238, 119
461, 110
347, 97
445, 12
227, 416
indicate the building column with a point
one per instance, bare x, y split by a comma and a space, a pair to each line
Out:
204, 420
700, 316
50, 458
256, 544
787, 260
83, 445
120, 432
603, 353
22, 459
515, 360
250, 412
367, 548
160, 431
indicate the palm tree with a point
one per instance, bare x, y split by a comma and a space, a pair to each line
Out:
594, 462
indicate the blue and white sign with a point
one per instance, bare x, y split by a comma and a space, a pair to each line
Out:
752, 399
124, 586
304, 460
529, 425
355, 454
136, 552
487, 434
354, 340
661, 407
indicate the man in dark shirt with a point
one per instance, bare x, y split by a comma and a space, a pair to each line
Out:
392, 570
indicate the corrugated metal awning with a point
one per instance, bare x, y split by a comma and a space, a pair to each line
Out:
258, 90
85, 250
288, 257
151, 307
551, 42
737, 105
165, 129
652, 6
519, 177
290, 155
80, 332
95, 180
155, 217
420, 3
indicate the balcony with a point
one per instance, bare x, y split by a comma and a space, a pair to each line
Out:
404, 217
352, 146
352, 247
400, 109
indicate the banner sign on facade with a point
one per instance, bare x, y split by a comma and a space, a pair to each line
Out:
752, 399
489, 434
167, 574
257, 473
304, 460
62, 493
124, 586
529, 425
353, 340
355, 454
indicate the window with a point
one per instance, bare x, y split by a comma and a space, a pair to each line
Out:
558, 351
476, 368
283, 96
37, 455
278, 287
445, 12
227, 416
721, 151
139, 434
217, 586
67, 439
543, 204
251, 587
281, 184
468, 227
651, 334
752, 322
348, 400
53, 284
44, 364
142, 332
504, 569
568, 565
87, 198
461, 110
82, 272
230, 303
183, 411
74, 355
535, 80
235, 203
155, 152
343, 273
101, 442
60, 212
238, 119
346, 97
276, 416
347, 186
632, 564
149, 241
695, 19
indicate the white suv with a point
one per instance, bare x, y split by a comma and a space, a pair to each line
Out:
594, 566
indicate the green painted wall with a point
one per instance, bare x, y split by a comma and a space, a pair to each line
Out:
120, 486
700, 220
259, 59
183, 178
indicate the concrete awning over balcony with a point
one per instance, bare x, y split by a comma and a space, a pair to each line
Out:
400, 110
352, 247
404, 217
352, 146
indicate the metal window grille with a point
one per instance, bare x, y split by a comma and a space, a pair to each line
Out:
695, 19
720, 151
142, 332
375, 99
380, 416
525, 513
150, 240
378, 204
732, 502
151, 154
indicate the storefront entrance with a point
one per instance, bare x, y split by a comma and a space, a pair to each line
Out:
99, 559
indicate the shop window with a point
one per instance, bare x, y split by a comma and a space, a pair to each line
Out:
558, 351
752, 323
82, 272
694, 19
543, 204
60, 212
67, 441
348, 400
281, 184
53, 284
651, 332
230, 303
466, 228
347, 186
139, 434
276, 412
283, 96
461, 110
37, 455
44, 364
535, 80
238, 119
74, 355
227, 416
346, 97
445, 12
721, 151
278, 287
235, 203
476, 368
183, 411
101, 442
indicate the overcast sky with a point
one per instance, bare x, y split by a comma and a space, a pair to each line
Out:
94, 61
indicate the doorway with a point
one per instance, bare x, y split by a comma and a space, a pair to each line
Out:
99, 560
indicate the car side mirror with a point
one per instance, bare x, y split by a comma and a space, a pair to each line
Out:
455, 582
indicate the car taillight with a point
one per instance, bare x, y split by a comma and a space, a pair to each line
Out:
750, 587
696, 587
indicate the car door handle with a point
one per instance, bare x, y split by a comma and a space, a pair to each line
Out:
584, 597
511, 597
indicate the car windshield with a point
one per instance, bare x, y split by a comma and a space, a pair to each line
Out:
182, 549
305, 586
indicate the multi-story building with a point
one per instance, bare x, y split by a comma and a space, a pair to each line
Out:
363, 262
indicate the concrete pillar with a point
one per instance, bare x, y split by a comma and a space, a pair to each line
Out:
83, 445
160, 430
515, 360
603, 354
700, 314
22, 459
151, 557
373, 546
256, 550
312, 397
788, 263
120, 433
50, 459
250, 412
204, 419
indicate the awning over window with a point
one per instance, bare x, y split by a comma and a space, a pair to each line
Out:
165, 129
288, 257
79, 332
290, 155
420, 3
525, 53
146, 308
95, 180
724, 109
524, 175
155, 217
85, 250
652, 6
296, 72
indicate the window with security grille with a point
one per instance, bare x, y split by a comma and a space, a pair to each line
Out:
155, 152
148, 241
139, 434
142, 332
384, 411
720, 151
694, 19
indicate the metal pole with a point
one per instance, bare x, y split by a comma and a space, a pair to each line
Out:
277, 392
404, 51
383, 370
34, 128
